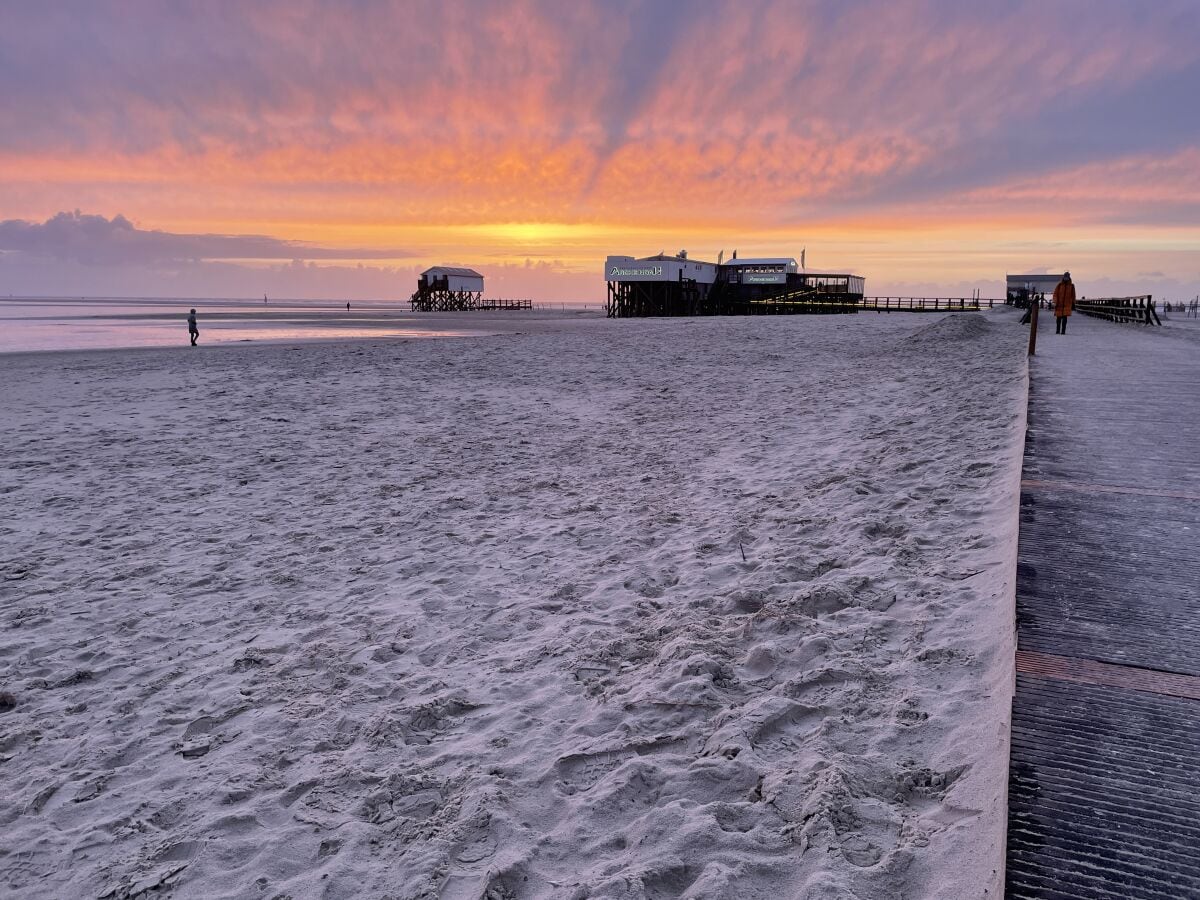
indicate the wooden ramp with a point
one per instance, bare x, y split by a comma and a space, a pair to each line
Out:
1104, 788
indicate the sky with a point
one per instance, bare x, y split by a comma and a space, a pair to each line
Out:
334, 150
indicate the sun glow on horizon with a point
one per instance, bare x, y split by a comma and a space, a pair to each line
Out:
536, 151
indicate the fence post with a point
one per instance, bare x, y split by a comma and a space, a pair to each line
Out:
1033, 317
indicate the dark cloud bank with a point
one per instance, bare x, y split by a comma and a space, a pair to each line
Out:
96, 240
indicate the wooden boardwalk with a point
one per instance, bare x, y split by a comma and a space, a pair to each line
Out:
1104, 788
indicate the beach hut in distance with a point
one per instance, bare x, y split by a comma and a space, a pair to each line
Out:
455, 289
446, 289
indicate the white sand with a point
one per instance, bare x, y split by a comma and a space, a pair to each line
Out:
643, 609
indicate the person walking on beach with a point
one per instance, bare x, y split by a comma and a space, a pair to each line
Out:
1064, 303
193, 331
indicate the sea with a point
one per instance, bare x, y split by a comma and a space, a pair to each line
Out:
108, 323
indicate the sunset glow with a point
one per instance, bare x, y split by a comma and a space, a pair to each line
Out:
930, 146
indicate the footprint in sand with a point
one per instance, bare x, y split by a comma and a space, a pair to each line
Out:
761, 661
181, 851
295, 792
669, 883
505, 885
783, 725
877, 530
590, 673
945, 656
206, 724
578, 772
477, 843
652, 587
769, 726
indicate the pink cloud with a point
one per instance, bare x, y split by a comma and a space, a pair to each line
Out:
789, 117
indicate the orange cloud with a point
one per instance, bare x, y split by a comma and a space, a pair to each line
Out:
884, 134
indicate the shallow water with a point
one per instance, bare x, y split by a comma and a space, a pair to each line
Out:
102, 324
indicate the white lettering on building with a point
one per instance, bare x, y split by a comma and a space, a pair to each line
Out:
617, 272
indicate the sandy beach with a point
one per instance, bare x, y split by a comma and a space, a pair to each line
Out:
696, 608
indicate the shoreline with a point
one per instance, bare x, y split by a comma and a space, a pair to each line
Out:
500, 324
239, 344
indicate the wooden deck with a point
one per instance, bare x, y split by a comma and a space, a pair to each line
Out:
1104, 789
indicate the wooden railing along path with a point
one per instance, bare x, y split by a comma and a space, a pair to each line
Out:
1140, 310
926, 304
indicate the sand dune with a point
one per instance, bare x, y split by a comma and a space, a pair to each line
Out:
656, 609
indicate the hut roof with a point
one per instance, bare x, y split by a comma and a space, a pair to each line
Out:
452, 270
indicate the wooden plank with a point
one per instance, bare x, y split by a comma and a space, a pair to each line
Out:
1104, 779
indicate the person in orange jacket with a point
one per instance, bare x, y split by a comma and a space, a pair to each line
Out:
1064, 303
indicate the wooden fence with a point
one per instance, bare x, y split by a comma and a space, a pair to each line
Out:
1139, 310
926, 304
463, 301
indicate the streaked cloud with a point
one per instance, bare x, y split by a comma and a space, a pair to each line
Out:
489, 132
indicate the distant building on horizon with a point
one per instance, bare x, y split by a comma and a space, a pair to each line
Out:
452, 278
1021, 286
676, 285
446, 289
456, 289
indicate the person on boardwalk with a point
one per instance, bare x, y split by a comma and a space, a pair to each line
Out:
1064, 303
193, 331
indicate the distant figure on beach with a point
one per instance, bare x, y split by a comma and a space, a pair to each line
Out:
1064, 303
193, 331
347, 306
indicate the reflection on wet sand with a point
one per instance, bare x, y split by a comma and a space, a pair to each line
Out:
37, 325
